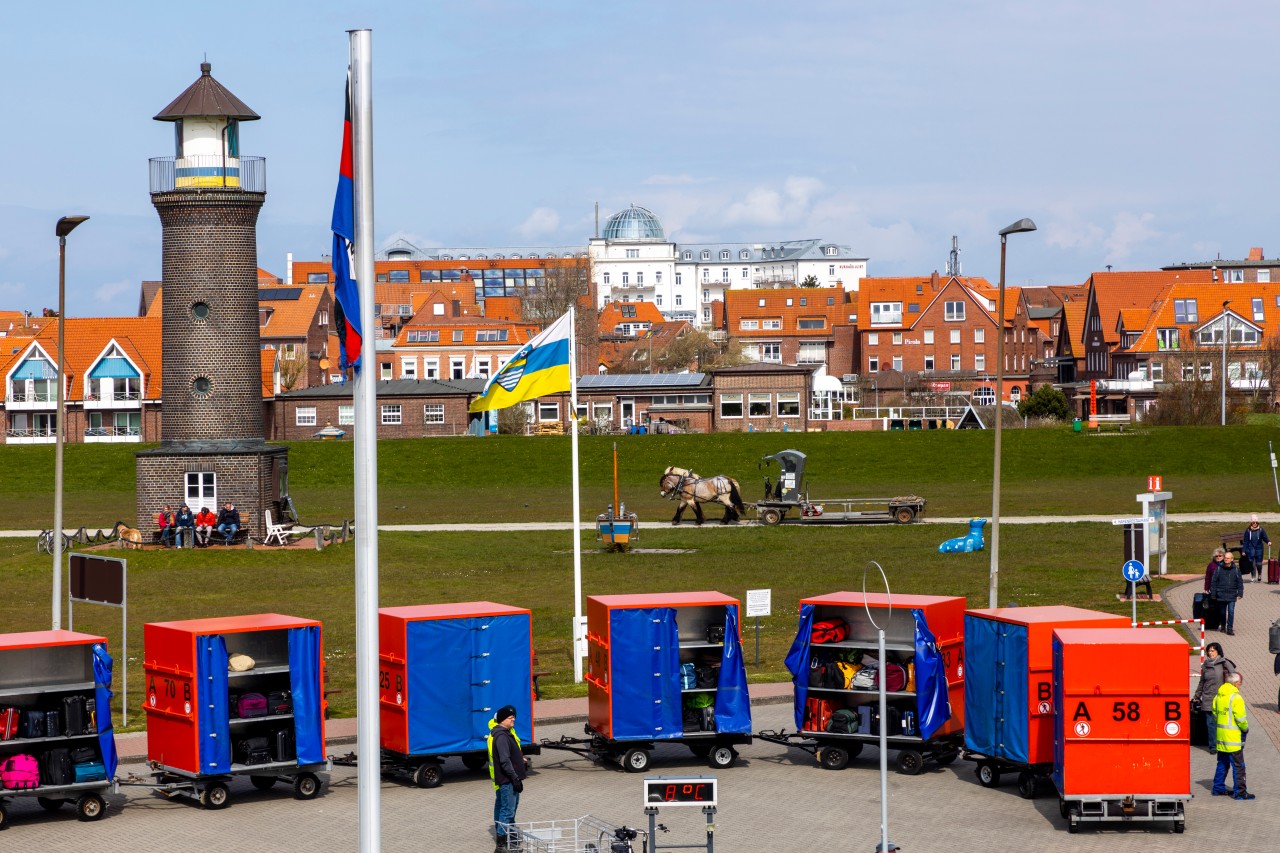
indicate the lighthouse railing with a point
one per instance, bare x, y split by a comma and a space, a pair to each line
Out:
208, 172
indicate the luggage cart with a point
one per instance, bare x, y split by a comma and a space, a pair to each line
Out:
1097, 808
586, 834
1032, 778
835, 751
212, 790
87, 797
427, 770
633, 755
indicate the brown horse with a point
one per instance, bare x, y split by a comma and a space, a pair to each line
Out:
688, 490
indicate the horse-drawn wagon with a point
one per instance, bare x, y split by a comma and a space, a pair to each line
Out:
791, 497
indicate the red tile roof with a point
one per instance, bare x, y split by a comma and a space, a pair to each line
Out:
87, 338
1209, 298
1116, 291
788, 306
612, 315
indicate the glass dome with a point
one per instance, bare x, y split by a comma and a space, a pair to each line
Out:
634, 223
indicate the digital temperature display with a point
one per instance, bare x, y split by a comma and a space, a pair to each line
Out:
680, 791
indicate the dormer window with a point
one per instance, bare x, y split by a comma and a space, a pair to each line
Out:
688, 256
706, 255
831, 250
724, 254
744, 255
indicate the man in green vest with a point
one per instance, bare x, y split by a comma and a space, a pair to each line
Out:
507, 768
1232, 729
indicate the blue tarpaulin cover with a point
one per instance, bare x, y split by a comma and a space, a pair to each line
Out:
995, 688
798, 661
102, 694
304, 681
212, 718
933, 707
733, 703
460, 671
645, 647
1059, 747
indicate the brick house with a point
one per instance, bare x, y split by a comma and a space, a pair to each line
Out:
763, 396
794, 325
407, 408
295, 321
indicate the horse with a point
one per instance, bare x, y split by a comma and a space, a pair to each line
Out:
688, 489
128, 536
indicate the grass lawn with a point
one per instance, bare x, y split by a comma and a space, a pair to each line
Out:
1046, 471
1075, 564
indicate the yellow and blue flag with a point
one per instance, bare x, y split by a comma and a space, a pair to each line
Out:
538, 368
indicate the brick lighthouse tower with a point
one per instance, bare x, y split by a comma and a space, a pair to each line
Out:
208, 196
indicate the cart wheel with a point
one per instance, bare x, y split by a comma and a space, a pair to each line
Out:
833, 758
1073, 825
945, 758
263, 783
1062, 807
904, 515
1179, 826
215, 796
474, 761
854, 749
700, 750
722, 757
1027, 785
635, 760
4, 816
910, 762
306, 786
988, 775
770, 516
92, 807
428, 775
49, 804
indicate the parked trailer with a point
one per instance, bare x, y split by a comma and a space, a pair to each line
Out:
835, 751
790, 497
634, 754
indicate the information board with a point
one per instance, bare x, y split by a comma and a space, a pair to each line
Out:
759, 602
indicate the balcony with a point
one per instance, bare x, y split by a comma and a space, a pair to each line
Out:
108, 435
115, 400
27, 401
30, 436
208, 172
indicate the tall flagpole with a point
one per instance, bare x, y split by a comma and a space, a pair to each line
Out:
578, 639
368, 746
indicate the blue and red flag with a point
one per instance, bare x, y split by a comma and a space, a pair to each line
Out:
346, 293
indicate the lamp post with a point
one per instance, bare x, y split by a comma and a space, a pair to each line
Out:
64, 227
1016, 228
1226, 333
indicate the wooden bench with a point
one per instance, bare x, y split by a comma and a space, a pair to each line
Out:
215, 538
538, 672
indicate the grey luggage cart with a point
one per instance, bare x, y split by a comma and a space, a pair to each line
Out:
87, 797
587, 834
1133, 808
212, 790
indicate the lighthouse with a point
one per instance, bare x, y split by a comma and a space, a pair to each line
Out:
208, 195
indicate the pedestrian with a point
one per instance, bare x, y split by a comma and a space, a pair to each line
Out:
507, 768
186, 523
165, 521
1252, 559
205, 520
229, 521
1233, 728
1214, 562
1227, 588
1213, 674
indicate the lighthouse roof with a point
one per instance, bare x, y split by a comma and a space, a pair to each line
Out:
206, 97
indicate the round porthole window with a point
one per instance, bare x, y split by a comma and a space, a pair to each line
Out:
200, 310
201, 386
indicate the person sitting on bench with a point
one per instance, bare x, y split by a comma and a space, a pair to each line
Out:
229, 522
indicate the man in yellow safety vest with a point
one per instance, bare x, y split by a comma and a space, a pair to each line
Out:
1232, 730
507, 768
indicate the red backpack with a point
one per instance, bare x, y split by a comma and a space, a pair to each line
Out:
829, 631
20, 772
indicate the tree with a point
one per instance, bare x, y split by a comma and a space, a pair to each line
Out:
291, 370
809, 281
567, 282
1045, 402
691, 349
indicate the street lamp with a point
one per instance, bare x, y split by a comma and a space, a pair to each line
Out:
1226, 333
1016, 228
65, 226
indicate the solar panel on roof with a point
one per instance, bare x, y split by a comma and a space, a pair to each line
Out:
279, 294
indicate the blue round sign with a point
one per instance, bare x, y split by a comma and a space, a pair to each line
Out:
1133, 570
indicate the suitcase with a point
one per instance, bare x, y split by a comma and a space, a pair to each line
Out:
1199, 727
909, 723
53, 724
254, 750
1198, 602
708, 722
1212, 614
286, 748
280, 702
32, 725
90, 771
1273, 571
817, 714
692, 721
19, 772
867, 719
9, 720
76, 721
56, 767
83, 755
252, 705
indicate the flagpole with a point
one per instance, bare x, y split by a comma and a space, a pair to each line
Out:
578, 639
368, 744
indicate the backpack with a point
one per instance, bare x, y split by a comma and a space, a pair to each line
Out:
829, 631
846, 672
895, 678
20, 772
817, 713
843, 722
818, 673
688, 676
865, 678
708, 674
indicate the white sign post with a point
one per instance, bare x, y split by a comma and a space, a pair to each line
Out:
1155, 511
759, 603
1133, 571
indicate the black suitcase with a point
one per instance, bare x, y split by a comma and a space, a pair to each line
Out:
286, 747
254, 750
83, 754
53, 724
73, 714
1199, 727
280, 702
31, 724
56, 767
708, 719
1203, 607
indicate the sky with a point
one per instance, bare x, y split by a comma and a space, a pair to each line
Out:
1136, 134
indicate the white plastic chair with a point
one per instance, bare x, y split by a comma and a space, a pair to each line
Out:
275, 531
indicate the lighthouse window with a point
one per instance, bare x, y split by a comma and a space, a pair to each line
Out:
201, 386
200, 310
233, 138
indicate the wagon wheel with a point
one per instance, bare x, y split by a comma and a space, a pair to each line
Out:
4, 816
1027, 785
306, 786
770, 516
833, 758
1073, 825
635, 760
904, 515
1062, 807
428, 775
215, 796
910, 762
91, 807
263, 783
475, 761
700, 750
50, 804
722, 757
988, 774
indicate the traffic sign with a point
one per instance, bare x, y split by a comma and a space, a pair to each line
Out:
1133, 570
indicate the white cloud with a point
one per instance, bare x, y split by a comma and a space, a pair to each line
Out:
1066, 234
542, 222
767, 206
1129, 230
